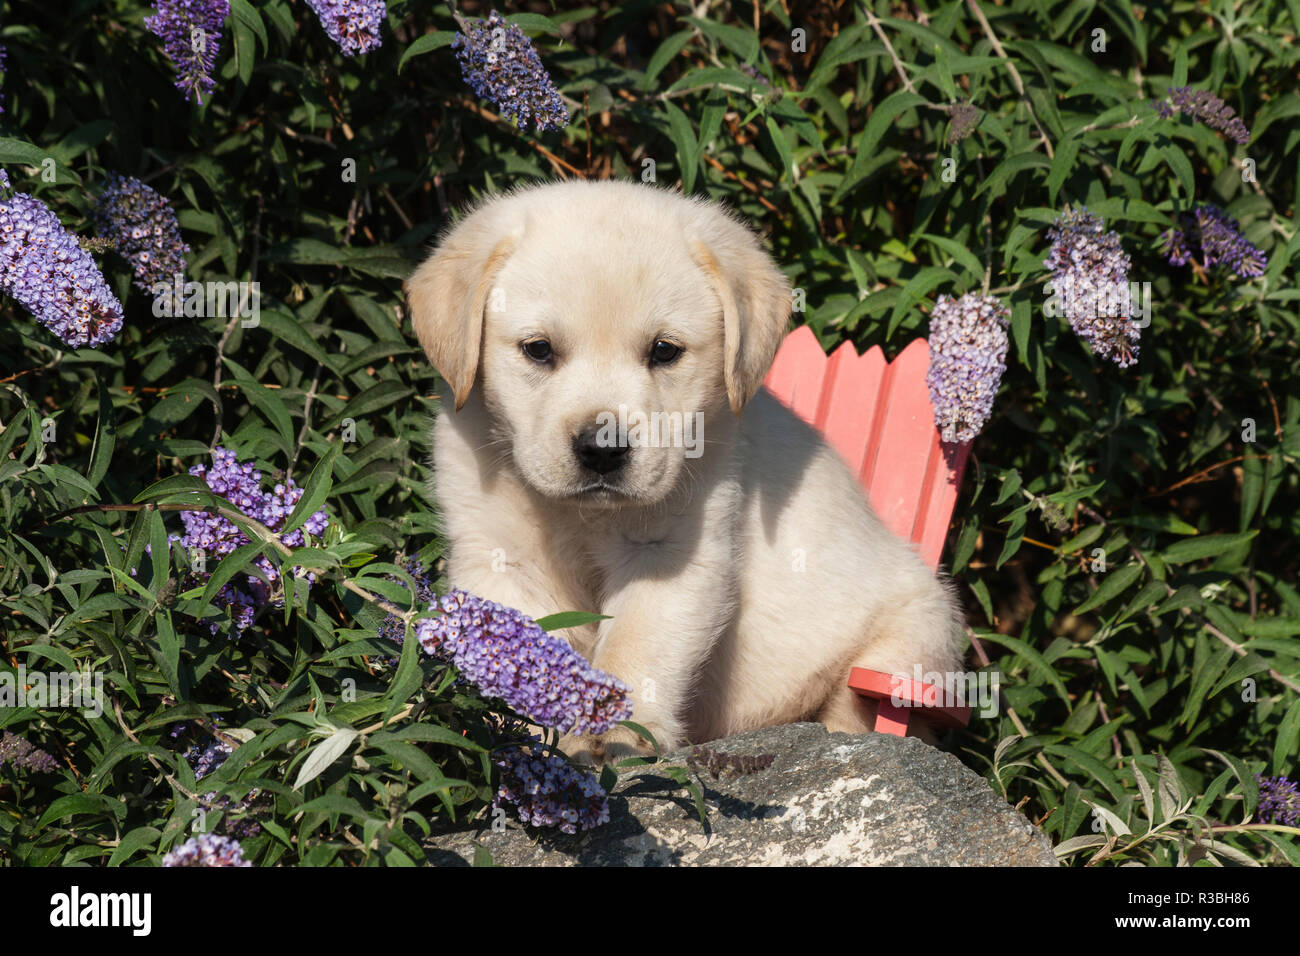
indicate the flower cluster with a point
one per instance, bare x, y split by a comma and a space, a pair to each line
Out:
141, 225
216, 536
204, 760
191, 35
1279, 801
968, 352
19, 752
547, 791
45, 269
1206, 107
500, 64
754, 73
1220, 240
207, 850
506, 655
352, 24
963, 117
1090, 275
393, 627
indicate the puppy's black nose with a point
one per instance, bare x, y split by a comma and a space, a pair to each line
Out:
598, 456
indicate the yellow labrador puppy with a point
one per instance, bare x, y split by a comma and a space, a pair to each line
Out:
605, 445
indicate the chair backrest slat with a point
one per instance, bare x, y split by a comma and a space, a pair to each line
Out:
878, 416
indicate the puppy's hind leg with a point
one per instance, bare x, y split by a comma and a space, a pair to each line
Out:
922, 631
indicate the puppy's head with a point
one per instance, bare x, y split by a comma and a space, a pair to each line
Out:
605, 323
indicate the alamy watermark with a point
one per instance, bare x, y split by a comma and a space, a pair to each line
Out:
76, 690
977, 690
655, 430
1104, 299
198, 300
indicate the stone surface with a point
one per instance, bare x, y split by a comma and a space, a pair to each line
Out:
825, 800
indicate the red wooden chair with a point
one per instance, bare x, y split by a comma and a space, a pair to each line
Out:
878, 416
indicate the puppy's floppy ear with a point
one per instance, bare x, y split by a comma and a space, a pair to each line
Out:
447, 295
755, 299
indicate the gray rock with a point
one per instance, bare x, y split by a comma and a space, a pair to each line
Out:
825, 800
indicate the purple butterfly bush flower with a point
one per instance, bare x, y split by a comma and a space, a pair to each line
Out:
500, 64
393, 627
352, 24
1090, 274
547, 791
1207, 108
968, 356
141, 225
1219, 239
18, 751
46, 270
205, 759
191, 35
215, 536
1279, 801
506, 655
207, 850
4, 56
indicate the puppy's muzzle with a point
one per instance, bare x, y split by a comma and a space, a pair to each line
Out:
597, 456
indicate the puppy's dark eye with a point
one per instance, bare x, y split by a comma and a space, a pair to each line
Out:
539, 350
664, 352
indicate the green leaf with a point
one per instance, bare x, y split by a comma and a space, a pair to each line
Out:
740, 41
664, 55
968, 260
1010, 485
1113, 584
882, 119
1090, 765
81, 140
683, 136
270, 405
1287, 741
174, 485
915, 292
132, 843
20, 152
782, 148
434, 734
378, 396
315, 491
334, 804
556, 622
534, 23
1062, 166
1179, 77
77, 803
1207, 667
289, 330
996, 183
323, 755
1204, 546
246, 14
232, 564
408, 678
101, 453
1036, 661
426, 44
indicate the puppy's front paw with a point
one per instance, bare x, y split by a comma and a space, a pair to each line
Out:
613, 745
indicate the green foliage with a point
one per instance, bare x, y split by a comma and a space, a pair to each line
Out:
1126, 556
